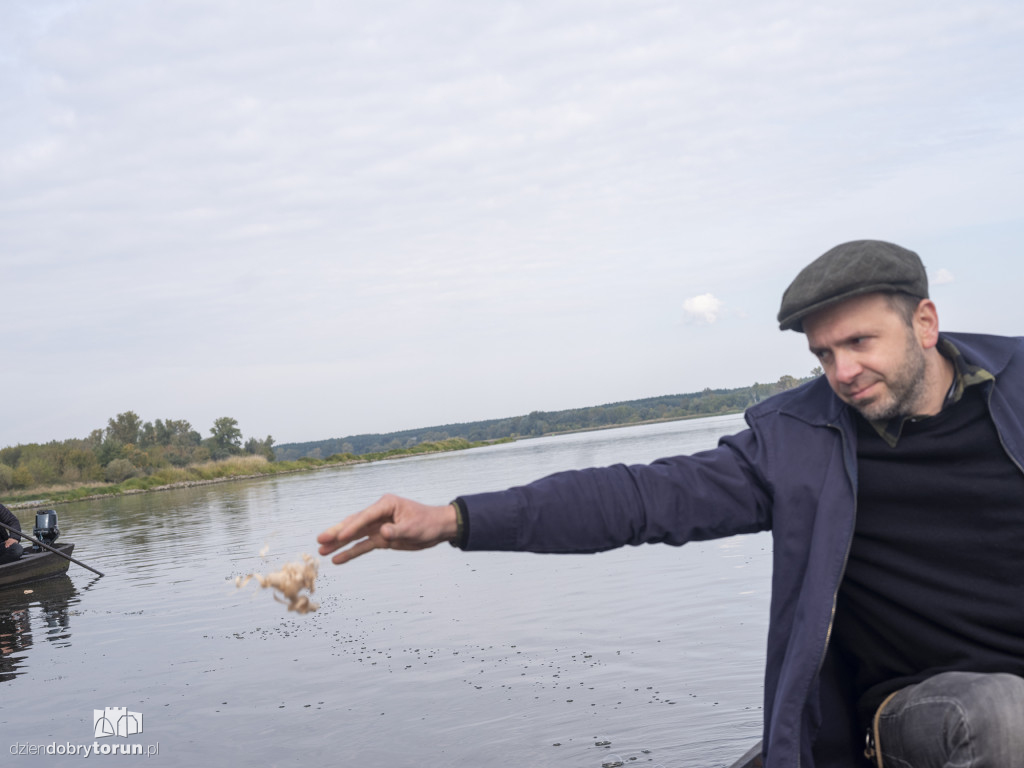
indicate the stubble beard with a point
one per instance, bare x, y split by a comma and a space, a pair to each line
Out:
905, 388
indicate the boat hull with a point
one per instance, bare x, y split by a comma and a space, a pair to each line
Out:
35, 566
752, 759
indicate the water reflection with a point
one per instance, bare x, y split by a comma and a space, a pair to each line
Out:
40, 608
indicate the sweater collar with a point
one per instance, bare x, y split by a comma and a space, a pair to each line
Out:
965, 375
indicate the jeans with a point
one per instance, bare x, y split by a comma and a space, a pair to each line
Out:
956, 720
11, 553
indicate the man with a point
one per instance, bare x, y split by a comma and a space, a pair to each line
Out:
9, 531
894, 490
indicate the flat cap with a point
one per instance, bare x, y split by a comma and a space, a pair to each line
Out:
851, 269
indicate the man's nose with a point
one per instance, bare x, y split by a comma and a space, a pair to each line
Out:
847, 368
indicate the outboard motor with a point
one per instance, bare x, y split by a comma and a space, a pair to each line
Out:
46, 529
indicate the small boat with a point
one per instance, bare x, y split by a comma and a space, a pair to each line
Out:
751, 759
35, 566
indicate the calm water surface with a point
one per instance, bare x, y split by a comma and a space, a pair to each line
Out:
646, 656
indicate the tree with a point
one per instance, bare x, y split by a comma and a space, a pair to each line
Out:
261, 447
124, 428
227, 438
149, 435
95, 439
787, 382
6, 477
109, 450
180, 432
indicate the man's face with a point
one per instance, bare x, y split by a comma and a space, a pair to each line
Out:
871, 357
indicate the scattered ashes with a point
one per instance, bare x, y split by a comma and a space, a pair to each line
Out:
288, 582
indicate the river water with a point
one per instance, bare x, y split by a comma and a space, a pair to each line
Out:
646, 655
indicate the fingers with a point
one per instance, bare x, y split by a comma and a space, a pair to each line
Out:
358, 526
389, 523
361, 548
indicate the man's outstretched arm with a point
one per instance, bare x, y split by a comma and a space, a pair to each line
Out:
389, 523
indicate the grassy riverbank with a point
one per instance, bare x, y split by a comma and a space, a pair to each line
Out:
234, 468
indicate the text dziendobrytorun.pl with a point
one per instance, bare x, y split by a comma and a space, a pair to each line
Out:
86, 750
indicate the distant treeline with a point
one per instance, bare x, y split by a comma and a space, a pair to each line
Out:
130, 450
709, 402
127, 448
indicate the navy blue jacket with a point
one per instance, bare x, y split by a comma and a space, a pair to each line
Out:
794, 472
12, 526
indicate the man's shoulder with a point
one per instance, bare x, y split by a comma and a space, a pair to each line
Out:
813, 402
8, 517
991, 352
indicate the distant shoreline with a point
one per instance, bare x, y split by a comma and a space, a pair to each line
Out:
312, 465
268, 469
634, 424
168, 487
708, 402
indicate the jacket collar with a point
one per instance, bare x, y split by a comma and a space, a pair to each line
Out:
813, 402
992, 353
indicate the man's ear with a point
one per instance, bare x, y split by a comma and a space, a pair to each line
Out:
926, 323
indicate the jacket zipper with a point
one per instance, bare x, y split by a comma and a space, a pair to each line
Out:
842, 573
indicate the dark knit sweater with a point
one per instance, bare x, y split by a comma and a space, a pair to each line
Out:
935, 577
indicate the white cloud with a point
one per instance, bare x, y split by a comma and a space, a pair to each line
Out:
942, 277
703, 308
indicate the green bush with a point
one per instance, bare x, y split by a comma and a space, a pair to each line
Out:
120, 470
22, 478
10, 455
6, 477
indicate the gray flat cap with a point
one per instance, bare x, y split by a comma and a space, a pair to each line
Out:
851, 269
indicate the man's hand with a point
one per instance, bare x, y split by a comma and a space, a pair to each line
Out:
390, 523
9, 542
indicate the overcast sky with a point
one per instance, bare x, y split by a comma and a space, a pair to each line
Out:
325, 218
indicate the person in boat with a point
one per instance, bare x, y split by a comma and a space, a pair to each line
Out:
9, 531
894, 489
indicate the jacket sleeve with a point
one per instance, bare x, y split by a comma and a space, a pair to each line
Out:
8, 519
707, 495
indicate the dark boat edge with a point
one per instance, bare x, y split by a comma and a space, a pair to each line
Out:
36, 566
751, 758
